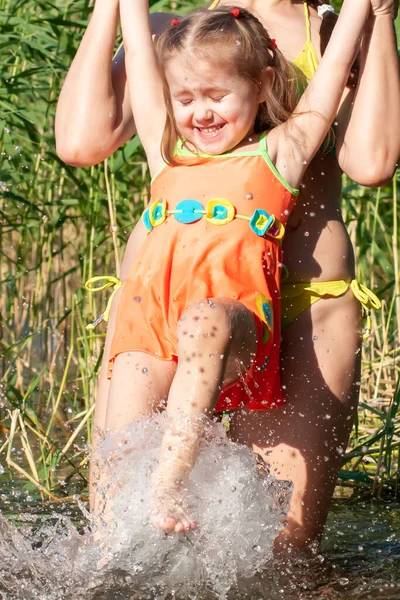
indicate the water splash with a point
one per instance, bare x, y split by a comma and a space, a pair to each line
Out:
238, 507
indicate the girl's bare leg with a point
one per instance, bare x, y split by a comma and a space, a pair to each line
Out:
216, 342
304, 441
139, 385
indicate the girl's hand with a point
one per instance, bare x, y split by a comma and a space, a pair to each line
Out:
385, 7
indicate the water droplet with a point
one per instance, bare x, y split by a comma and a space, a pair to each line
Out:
314, 337
137, 298
312, 214
306, 234
238, 43
248, 196
144, 370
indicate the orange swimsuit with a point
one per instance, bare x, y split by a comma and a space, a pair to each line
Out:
212, 233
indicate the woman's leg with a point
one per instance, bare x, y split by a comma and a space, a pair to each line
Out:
216, 342
100, 411
103, 385
304, 440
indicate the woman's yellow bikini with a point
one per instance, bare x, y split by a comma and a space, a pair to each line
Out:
307, 61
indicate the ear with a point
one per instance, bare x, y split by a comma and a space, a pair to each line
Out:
266, 84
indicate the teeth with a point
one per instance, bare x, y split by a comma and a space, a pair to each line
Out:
210, 130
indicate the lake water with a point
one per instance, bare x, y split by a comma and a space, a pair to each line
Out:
47, 552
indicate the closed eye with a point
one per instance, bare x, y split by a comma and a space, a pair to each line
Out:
186, 102
217, 99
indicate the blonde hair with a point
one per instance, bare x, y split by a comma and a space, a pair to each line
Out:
241, 46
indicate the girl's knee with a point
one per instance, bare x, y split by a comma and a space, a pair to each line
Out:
208, 321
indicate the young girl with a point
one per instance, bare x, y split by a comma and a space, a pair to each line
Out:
198, 321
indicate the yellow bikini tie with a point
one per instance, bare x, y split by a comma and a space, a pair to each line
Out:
92, 288
368, 301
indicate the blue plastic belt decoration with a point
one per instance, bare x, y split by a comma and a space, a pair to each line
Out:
265, 311
218, 211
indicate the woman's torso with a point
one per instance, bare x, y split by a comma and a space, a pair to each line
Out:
316, 245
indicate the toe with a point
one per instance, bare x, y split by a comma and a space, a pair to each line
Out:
180, 527
169, 524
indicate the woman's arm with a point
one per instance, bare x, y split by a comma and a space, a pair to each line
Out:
295, 142
368, 133
94, 115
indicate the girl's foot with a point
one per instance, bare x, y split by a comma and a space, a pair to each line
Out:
178, 453
169, 512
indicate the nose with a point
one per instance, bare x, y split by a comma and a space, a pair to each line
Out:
203, 113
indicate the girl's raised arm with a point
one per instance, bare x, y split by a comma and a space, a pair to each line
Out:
293, 144
148, 107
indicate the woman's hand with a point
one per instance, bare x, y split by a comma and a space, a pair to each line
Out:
385, 7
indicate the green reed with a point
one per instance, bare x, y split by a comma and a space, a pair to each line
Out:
56, 232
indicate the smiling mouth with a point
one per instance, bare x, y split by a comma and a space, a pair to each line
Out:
210, 132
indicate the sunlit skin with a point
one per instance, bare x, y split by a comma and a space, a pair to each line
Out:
214, 111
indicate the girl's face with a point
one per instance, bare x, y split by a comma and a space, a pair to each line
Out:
214, 111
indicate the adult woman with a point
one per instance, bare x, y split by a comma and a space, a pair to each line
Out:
304, 440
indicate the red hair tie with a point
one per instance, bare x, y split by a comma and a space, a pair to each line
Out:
235, 12
174, 22
274, 44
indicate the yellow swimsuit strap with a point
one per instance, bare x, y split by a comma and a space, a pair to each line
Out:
308, 21
307, 61
214, 5
108, 281
368, 301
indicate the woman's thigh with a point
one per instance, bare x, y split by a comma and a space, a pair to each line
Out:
304, 440
103, 384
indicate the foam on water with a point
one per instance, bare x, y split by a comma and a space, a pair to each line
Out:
238, 507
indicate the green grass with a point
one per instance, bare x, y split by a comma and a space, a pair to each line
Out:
55, 234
